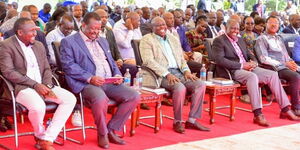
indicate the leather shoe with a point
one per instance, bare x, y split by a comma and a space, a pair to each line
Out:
296, 112
113, 138
178, 127
103, 141
289, 115
166, 102
196, 125
145, 106
44, 145
261, 120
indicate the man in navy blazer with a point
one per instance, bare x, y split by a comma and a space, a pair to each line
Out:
87, 61
294, 26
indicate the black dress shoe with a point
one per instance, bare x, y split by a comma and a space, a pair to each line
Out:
196, 126
289, 115
145, 106
178, 127
103, 141
113, 138
7, 123
261, 120
3, 127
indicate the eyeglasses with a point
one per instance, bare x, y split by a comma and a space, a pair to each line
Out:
249, 23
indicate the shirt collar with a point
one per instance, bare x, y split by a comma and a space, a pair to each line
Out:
84, 37
59, 32
231, 40
161, 38
269, 36
22, 44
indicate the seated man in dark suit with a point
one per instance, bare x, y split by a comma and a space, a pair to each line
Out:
87, 61
212, 30
271, 50
294, 26
231, 53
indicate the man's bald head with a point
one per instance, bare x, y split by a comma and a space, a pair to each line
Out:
103, 17
25, 14
169, 19
135, 19
188, 14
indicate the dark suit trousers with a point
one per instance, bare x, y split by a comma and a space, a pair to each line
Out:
178, 90
293, 79
194, 67
97, 98
132, 70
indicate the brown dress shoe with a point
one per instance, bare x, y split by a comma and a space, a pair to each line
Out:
45, 145
103, 141
296, 112
113, 138
166, 102
145, 106
261, 120
289, 115
196, 126
178, 127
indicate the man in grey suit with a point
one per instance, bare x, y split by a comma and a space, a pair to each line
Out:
231, 53
23, 62
162, 53
87, 61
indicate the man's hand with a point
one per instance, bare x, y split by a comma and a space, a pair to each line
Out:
97, 81
128, 24
172, 79
118, 81
291, 65
41, 89
249, 66
188, 55
119, 63
189, 76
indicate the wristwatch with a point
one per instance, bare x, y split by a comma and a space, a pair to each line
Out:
50, 86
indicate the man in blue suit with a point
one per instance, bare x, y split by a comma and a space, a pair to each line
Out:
294, 26
87, 61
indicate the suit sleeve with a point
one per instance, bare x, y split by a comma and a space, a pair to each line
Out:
219, 52
296, 51
147, 54
70, 67
8, 69
114, 48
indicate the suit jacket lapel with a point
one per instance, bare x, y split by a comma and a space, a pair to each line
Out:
159, 45
173, 52
230, 45
81, 43
243, 50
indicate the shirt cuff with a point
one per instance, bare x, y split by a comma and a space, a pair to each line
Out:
165, 74
89, 79
242, 65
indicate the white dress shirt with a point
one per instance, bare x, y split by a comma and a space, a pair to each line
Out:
123, 39
33, 69
213, 31
54, 35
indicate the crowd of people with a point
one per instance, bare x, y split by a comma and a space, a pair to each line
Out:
96, 44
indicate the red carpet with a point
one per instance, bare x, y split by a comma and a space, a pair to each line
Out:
146, 138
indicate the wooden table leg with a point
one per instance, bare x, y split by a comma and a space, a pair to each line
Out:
232, 105
157, 116
134, 118
212, 107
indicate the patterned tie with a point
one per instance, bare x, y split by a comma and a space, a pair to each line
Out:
214, 31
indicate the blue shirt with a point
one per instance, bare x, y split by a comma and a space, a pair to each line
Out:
43, 16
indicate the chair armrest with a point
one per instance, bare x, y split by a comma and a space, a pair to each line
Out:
8, 83
153, 75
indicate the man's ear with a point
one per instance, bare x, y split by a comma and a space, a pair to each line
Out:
20, 32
